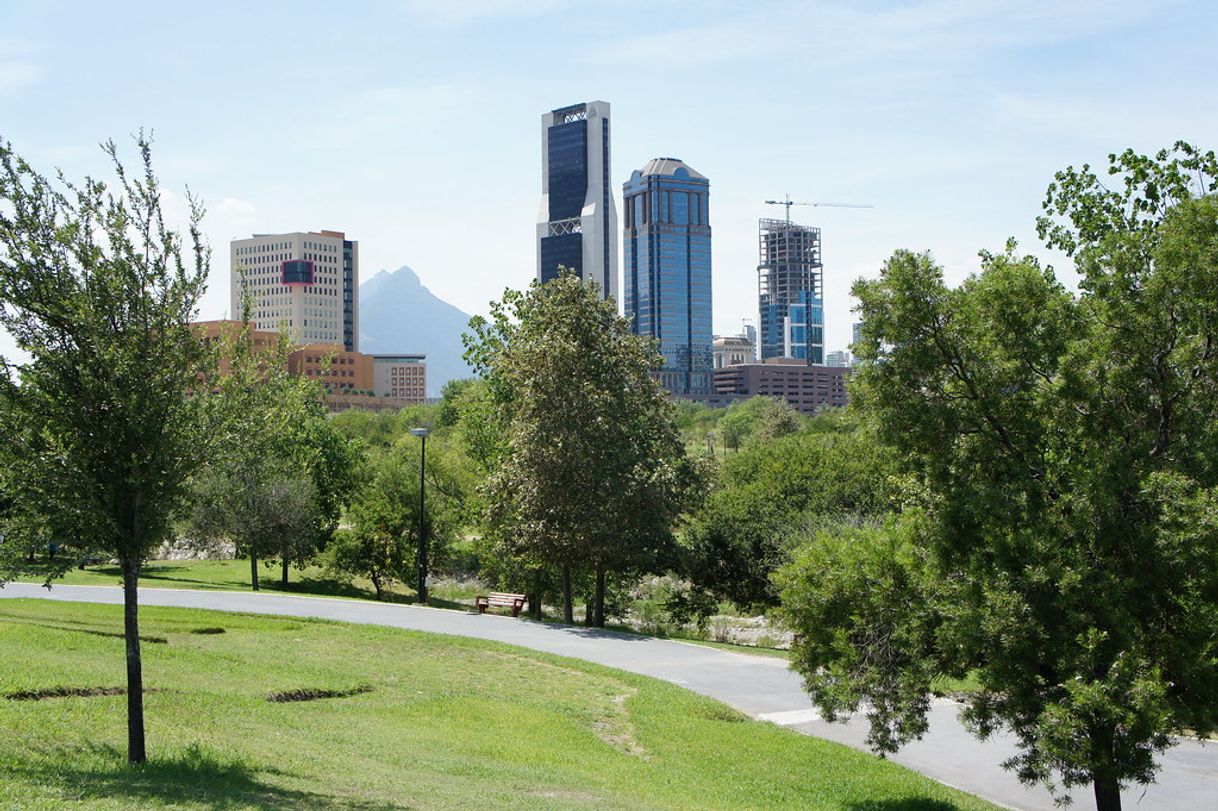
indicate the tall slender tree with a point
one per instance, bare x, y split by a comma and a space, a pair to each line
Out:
100, 430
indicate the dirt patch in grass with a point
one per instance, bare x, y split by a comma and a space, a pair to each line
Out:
207, 630
616, 729
70, 692
312, 694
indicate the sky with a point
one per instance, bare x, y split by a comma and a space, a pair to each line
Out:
415, 126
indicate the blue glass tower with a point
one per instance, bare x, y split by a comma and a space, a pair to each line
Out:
790, 292
578, 218
667, 277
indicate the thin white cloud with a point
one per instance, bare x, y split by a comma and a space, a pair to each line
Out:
16, 76
18, 66
1100, 120
410, 97
460, 13
835, 35
235, 210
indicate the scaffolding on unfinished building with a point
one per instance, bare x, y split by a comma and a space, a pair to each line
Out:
788, 264
788, 261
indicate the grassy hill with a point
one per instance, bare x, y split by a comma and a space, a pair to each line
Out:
423, 722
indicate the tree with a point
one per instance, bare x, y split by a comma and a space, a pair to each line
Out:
282, 473
761, 417
269, 512
594, 473
381, 541
774, 494
1061, 451
100, 430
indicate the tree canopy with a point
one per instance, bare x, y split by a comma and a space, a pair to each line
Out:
592, 472
776, 492
1061, 460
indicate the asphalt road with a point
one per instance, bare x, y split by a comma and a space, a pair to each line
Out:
758, 685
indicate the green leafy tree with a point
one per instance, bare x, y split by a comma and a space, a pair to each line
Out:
100, 431
1061, 452
593, 474
867, 610
269, 512
278, 483
448, 413
774, 493
760, 417
381, 541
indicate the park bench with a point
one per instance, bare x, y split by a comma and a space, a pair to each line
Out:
500, 600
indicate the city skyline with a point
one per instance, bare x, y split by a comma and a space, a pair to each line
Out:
950, 119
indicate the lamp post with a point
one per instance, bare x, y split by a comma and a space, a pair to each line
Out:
421, 433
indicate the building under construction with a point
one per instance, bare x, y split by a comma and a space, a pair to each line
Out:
790, 291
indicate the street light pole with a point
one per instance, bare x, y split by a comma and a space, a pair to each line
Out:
421, 433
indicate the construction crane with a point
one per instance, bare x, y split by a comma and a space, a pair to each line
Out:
788, 202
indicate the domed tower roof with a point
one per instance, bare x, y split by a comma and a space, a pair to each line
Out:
672, 167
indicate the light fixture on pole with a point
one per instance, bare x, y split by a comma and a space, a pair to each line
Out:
422, 433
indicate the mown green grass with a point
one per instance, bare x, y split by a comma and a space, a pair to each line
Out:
234, 575
448, 723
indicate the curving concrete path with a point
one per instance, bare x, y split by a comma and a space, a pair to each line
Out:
758, 685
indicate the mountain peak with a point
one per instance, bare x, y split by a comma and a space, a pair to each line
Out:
399, 314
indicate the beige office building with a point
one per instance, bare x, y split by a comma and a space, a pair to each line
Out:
400, 376
305, 282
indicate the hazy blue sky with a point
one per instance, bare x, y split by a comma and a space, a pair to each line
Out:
415, 126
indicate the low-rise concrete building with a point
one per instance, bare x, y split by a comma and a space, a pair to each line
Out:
401, 376
337, 370
807, 388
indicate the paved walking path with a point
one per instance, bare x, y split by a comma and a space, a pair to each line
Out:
761, 686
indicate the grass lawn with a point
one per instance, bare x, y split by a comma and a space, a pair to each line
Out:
234, 575
446, 723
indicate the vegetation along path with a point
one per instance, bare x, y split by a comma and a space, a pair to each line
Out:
757, 685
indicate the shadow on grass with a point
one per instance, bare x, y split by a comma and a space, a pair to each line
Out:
76, 626
195, 776
912, 804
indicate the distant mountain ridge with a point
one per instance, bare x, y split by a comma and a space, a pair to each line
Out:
398, 314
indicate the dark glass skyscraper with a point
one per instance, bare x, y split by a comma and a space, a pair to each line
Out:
578, 218
790, 292
667, 290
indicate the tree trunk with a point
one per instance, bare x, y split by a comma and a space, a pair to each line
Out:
568, 608
284, 582
589, 616
254, 568
376, 584
534, 600
1107, 795
600, 596
135, 670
